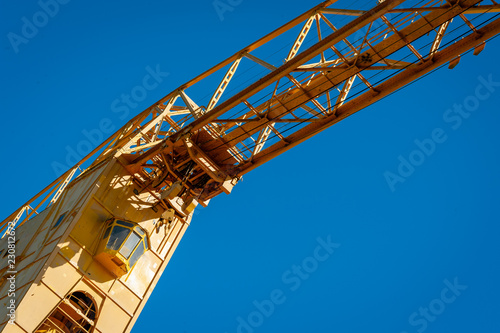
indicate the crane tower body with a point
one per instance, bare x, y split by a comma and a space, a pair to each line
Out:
86, 252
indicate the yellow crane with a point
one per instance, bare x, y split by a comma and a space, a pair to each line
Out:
86, 252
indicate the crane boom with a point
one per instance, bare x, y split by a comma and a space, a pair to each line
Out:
309, 92
294, 101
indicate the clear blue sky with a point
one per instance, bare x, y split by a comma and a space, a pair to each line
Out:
396, 253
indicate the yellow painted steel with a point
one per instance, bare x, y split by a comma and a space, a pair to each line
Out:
149, 176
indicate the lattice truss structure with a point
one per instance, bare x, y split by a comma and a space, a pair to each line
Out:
314, 71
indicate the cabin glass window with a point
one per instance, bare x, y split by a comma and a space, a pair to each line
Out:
137, 253
118, 236
127, 224
106, 234
130, 245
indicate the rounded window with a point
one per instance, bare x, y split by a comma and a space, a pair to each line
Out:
121, 246
76, 313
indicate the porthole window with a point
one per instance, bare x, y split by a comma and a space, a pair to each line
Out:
121, 246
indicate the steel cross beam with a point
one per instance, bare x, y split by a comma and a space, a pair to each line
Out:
226, 144
384, 89
295, 62
294, 98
